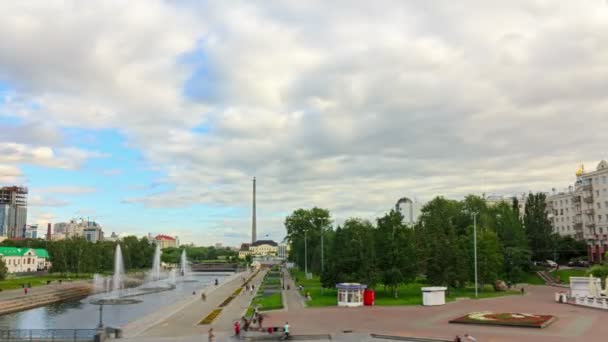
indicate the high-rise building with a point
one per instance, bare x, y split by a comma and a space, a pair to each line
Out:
13, 211
582, 210
253, 218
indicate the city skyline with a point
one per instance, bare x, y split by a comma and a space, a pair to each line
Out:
156, 120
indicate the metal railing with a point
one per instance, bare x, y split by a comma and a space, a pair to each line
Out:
58, 335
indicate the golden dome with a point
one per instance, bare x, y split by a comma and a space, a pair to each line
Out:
580, 170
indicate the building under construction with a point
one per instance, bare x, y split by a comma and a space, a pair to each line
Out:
13, 211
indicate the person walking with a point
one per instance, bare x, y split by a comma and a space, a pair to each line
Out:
25, 290
237, 329
260, 319
457, 339
211, 335
204, 297
286, 330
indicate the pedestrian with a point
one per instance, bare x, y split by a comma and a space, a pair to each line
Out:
457, 339
194, 293
286, 330
470, 338
204, 297
252, 287
260, 319
237, 329
216, 282
523, 292
25, 290
211, 335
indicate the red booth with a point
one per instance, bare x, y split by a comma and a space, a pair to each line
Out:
369, 297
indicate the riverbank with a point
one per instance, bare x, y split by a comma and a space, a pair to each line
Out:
16, 300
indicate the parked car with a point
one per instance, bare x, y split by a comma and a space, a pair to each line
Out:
578, 263
551, 263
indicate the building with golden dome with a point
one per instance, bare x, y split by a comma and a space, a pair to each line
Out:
581, 211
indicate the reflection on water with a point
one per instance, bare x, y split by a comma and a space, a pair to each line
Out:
84, 315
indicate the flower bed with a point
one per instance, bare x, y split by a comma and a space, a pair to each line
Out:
506, 319
210, 317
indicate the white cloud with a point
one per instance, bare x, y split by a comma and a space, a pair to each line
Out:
347, 105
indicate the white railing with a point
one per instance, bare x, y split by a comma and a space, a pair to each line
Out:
598, 303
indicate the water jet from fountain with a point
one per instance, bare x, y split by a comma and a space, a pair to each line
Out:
119, 271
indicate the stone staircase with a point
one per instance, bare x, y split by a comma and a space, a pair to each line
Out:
44, 297
549, 280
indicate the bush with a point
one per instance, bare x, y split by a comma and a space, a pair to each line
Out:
3, 270
599, 271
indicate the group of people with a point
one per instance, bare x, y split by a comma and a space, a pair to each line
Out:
249, 288
467, 338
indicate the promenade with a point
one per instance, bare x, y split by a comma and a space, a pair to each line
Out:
180, 322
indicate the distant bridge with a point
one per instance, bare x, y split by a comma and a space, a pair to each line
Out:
215, 267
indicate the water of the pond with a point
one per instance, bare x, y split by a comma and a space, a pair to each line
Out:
82, 314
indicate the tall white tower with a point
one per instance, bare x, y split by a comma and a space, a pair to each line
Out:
253, 218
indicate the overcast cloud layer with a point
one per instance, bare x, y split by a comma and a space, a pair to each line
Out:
347, 105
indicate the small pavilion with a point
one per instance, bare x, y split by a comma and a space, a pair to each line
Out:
350, 294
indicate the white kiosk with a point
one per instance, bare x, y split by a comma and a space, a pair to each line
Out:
350, 294
433, 295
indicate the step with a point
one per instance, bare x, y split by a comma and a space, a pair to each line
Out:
408, 339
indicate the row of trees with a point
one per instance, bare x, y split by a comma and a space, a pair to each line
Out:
77, 255
438, 248
197, 254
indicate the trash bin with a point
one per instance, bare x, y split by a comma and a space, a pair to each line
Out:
369, 297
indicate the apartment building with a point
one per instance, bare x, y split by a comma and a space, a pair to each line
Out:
582, 210
13, 211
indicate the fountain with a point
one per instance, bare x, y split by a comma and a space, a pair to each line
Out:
99, 283
117, 283
119, 271
183, 264
156, 264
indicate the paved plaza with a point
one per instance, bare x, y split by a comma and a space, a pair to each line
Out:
356, 324
574, 323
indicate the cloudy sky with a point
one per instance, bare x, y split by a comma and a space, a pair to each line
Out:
153, 116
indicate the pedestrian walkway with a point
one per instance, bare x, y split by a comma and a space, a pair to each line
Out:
183, 320
292, 298
44, 289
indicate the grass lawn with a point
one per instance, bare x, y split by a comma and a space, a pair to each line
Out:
272, 302
408, 294
15, 283
533, 279
564, 275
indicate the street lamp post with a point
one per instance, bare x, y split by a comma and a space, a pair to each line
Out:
100, 316
305, 257
322, 261
475, 250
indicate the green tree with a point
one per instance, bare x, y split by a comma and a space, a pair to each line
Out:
442, 252
354, 256
3, 270
307, 224
490, 257
538, 227
395, 251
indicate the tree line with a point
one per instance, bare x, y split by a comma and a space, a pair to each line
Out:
437, 249
172, 255
77, 255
